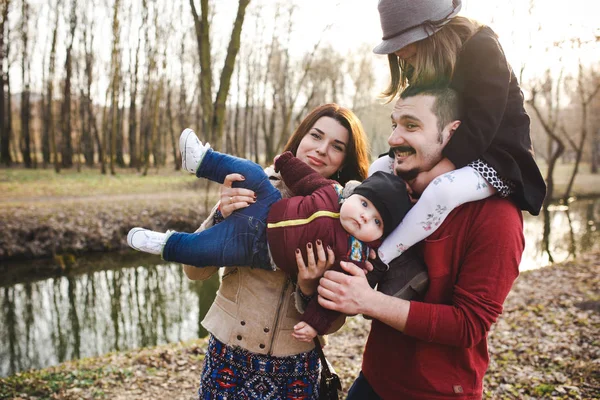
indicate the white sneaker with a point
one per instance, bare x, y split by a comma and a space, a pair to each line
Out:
146, 240
192, 150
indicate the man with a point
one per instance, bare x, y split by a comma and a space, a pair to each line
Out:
435, 348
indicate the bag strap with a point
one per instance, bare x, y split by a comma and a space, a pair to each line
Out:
324, 364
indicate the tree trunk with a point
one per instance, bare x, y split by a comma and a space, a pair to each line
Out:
86, 144
9, 115
154, 125
67, 143
595, 162
115, 72
227, 72
171, 129
585, 99
4, 113
213, 114
133, 142
50, 92
549, 129
202, 27
120, 116
25, 102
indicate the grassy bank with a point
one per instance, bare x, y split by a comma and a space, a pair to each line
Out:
545, 345
44, 214
19, 185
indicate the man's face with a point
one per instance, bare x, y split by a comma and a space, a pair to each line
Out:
416, 140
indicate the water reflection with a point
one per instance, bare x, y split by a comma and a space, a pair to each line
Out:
45, 322
98, 304
560, 233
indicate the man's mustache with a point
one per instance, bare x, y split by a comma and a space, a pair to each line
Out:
400, 149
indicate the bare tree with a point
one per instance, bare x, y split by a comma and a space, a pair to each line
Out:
595, 133
25, 94
89, 107
5, 156
115, 83
67, 143
549, 90
586, 91
133, 134
51, 129
213, 114
86, 143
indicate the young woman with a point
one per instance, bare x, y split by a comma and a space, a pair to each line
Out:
427, 44
251, 352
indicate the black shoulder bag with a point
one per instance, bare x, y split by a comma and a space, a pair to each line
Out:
330, 386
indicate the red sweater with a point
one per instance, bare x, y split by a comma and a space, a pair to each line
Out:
472, 260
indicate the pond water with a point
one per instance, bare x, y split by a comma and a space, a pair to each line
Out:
51, 313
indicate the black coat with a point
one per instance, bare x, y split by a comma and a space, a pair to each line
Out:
495, 126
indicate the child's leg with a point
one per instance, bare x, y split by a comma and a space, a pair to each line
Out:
444, 193
230, 243
216, 166
206, 163
240, 240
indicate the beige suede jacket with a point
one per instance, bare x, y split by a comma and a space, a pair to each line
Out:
254, 309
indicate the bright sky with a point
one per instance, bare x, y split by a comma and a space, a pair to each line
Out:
528, 37
355, 25
551, 21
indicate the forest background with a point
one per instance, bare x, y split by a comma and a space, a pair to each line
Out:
94, 93
110, 84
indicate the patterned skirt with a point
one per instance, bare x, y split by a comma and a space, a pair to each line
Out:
234, 373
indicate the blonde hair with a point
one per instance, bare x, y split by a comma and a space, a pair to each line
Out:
434, 60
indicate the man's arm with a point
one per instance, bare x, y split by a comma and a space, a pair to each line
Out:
489, 265
487, 272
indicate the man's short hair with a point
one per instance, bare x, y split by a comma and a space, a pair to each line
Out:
447, 106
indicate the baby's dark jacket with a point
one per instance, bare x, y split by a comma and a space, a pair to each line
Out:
313, 213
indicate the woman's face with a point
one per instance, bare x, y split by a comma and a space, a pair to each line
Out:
407, 53
324, 146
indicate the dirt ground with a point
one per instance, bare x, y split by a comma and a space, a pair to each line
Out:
546, 345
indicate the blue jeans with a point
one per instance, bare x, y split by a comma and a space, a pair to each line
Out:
361, 390
242, 238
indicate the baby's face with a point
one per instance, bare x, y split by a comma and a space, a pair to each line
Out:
360, 218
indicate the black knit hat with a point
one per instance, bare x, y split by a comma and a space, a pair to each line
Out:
388, 194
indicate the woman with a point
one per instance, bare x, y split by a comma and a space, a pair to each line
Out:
251, 351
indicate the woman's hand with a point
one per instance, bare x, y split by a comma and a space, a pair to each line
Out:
234, 198
309, 274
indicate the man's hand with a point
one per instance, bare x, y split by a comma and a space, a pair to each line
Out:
351, 294
304, 332
345, 293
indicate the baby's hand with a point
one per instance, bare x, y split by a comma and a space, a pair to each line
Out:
304, 332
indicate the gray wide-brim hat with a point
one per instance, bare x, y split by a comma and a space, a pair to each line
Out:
407, 21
